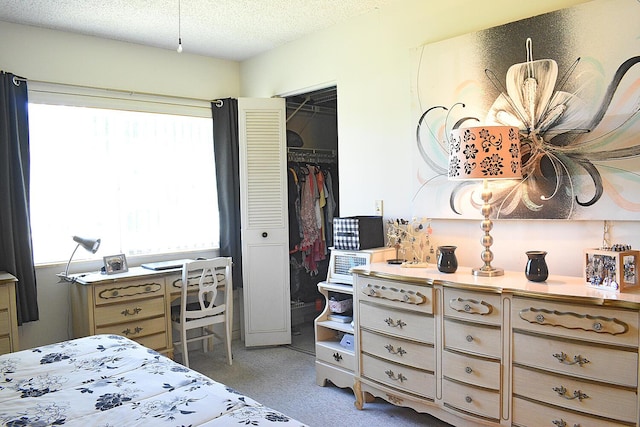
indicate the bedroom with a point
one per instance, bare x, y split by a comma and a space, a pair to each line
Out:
344, 55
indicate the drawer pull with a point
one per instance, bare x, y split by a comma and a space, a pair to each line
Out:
126, 312
136, 331
562, 423
468, 369
470, 306
394, 294
392, 376
569, 320
397, 324
469, 338
468, 399
337, 357
400, 351
564, 359
577, 394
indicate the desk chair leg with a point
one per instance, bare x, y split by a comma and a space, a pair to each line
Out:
185, 352
227, 339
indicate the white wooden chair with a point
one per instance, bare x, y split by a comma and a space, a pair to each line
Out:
212, 276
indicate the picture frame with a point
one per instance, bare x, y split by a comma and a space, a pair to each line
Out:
114, 264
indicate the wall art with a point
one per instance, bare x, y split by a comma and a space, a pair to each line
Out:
570, 81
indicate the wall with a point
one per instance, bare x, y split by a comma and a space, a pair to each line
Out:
54, 56
370, 60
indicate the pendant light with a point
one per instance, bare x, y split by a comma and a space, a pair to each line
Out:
179, 31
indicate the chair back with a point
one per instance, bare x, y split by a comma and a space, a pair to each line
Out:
211, 276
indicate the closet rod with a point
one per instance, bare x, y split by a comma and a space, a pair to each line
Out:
17, 80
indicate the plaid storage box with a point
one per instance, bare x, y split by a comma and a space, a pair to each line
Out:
358, 232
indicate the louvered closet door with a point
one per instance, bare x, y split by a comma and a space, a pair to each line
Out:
263, 204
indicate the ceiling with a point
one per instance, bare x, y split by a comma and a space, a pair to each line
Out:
227, 29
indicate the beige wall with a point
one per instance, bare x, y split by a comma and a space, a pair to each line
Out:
370, 60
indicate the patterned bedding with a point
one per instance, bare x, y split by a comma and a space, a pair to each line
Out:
109, 380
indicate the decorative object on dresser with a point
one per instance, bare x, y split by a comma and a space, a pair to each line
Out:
447, 261
413, 239
536, 269
613, 268
114, 264
487, 153
90, 245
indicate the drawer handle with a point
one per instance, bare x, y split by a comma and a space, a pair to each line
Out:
577, 394
400, 351
337, 357
397, 324
562, 423
468, 369
126, 312
469, 338
564, 359
392, 376
136, 331
468, 399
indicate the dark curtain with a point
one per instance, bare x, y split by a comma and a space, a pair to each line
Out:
227, 153
16, 254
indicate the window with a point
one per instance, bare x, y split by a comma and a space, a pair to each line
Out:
142, 182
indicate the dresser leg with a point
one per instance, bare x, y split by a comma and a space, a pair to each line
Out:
357, 390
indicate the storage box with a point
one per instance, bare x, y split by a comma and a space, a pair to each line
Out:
611, 270
358, 232
340, 306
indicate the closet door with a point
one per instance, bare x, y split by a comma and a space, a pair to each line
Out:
265, 233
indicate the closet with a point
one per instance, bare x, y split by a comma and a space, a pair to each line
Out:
313, 198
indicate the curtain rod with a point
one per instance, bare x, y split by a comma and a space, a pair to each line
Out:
17, 80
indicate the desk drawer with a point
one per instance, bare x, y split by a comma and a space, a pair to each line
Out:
400, 323
5, 323
135, 329
473, 338
399, 351
109, 293
129, 311
401, 377
5, 345
586, 360
4, 297
587, 397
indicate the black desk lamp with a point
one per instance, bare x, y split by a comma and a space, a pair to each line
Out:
91, 245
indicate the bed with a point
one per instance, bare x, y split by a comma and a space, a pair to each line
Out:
109, 380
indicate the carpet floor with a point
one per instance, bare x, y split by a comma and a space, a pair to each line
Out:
283, 378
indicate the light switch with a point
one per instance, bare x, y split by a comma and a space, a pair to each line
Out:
378, 207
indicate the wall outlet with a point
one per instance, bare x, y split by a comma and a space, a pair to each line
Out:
378, 207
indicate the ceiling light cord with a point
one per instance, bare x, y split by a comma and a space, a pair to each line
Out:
179, 30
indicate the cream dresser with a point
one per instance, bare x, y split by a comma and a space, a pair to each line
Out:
496, 351
8, 314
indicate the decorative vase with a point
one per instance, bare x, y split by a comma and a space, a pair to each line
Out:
447, 261
536, 269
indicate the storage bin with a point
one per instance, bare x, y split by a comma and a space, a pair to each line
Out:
341, 306
358, 232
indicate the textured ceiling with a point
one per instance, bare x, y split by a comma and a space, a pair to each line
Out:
228, 29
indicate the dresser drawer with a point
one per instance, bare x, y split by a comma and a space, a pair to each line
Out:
135, 329
334, 354
592, 323
399, 376
473, 306
109, 293
574, 358
472, 338
470, 399
587, 397
396, 294
531, 414
471, 370
4, 298
5, 322
396, 350
400, 323
157, 342
5, 345
129, 311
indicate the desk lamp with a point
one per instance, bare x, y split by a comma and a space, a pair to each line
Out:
91, 245
487, 153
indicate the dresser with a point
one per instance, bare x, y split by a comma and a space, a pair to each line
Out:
496, 350
8, 314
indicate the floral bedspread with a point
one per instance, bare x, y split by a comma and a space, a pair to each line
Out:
109, 381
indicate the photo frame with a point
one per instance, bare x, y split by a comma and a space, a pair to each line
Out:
114, 264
